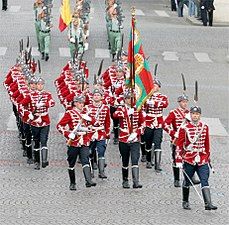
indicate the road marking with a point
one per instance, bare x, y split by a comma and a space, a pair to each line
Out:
3, 51
139, 12
202, 57
35, 51
102, 53
161, 13
64, 52
14, 8
12, 125
215, 126
170, 56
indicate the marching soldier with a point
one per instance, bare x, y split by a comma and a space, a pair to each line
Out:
76, 36
38, 4
154, 119
207, 8
173, 121
44, 35
193, 155
4, 5
39, 102
115, 32
101, 129
131, 127
74, 126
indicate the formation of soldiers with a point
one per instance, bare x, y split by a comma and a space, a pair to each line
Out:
92, 114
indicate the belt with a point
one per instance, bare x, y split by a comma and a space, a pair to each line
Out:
45, 31
115, 31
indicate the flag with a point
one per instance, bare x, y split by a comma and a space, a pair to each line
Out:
141, 77
65, 15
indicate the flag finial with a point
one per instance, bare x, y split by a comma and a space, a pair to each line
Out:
133, 11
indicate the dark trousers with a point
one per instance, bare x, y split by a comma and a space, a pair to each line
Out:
202, 172
100, 146
28, 134
173, 5
173, 148
153, 136
4, 4
40, 136
115, 122
73, 152
207, 16
128, 150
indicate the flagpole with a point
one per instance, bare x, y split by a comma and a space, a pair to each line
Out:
133, 65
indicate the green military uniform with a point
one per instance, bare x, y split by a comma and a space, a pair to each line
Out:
37, 11
44, 38
76, 34
115, 36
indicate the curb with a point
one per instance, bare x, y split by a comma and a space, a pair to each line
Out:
196, 22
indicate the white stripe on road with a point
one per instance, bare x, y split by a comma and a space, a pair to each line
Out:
14, 8
139, 12
102, 53
12, 125
161, 13
170, 56
202, 57
35, 51
64, 52
215, 127
3, 51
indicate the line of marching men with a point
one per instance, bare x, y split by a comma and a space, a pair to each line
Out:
86, 124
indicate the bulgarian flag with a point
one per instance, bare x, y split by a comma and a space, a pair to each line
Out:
140, 76
65, 15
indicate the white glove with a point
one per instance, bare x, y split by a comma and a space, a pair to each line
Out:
176, 135
31, 117
86, 117
202, 7
83, 129
150, 102
39, 104
130, 111
115, 5
132, 137
179, 165
72, 40
72, 136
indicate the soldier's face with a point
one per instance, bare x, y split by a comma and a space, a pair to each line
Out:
97, 97
79, 105
128, 101
195, 116
33, 86
120, 74
183, 104
40, 86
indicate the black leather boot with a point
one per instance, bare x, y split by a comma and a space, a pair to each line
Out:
176, 174
46, 57
207, 199
148, 158
101, 168
157, 165
135, 175
185, 203
42, 55
87, 175
44, 156
29, 154
36, 159
72, 177
143, 149
125, 183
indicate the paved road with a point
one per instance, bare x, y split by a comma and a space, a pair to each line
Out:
42, 197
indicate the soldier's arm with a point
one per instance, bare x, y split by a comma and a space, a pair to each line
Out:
180, 146
63, 125
168, 124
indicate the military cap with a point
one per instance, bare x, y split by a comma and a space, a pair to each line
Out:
40, 80
194, 109
79, 98
99, 91
182, 98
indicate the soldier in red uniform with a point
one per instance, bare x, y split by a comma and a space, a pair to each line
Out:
193, 154
39, 103
101, 130
171, 125
74, 127
154, 120
131, 127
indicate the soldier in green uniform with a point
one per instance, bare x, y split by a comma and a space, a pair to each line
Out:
76, 36
44, 36
115, 33
37, 10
